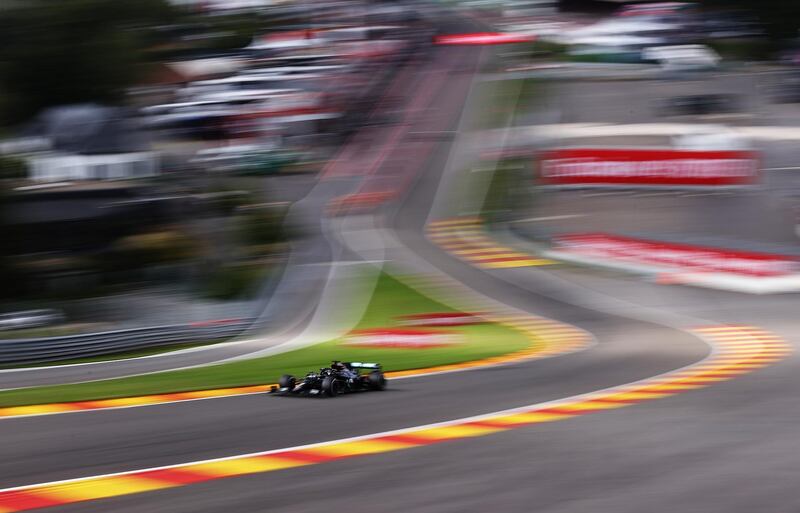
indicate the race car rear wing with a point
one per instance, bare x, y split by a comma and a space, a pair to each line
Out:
364, 365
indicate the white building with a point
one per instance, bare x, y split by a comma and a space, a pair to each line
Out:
58, 167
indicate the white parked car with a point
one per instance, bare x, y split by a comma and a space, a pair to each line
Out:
30, 319
712, 138
683, 57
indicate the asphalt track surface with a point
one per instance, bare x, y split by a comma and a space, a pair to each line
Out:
730, 447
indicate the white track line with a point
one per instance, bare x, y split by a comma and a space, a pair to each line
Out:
511, 411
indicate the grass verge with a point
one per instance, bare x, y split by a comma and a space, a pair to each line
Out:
390, 300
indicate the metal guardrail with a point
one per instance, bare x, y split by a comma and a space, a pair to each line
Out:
41, 350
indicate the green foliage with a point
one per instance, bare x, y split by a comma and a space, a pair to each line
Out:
13, 168
152, 248
781, 18
740, 49
540, 48
263, 225
506, 190
13, 281
238, 32
56, 52
502, 101
234, 281
202, 33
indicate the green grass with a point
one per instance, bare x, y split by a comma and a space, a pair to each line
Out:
501, 101
390, 299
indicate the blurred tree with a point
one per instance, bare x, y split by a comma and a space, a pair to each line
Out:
233, 281
55, 52
153, 248
12, 168
13, 281
781, 18
262, 226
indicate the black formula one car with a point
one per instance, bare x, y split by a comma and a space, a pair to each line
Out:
339, 378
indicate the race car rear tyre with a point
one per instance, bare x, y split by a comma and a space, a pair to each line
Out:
330, 387
287, 381
376, 380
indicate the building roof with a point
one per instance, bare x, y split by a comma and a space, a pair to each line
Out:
91, 129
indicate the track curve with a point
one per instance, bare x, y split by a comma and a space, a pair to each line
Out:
564, 467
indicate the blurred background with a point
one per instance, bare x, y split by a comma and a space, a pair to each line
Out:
151, 150
587, 204
161, 161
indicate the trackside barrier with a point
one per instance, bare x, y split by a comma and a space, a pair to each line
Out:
680, 256
581, 167
40, 350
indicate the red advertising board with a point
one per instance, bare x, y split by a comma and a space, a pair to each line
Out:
402, 338
683, 256
648, 167
484, 38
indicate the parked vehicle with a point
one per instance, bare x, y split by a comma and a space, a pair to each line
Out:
699, 105
682, 57
30, 319
245, 159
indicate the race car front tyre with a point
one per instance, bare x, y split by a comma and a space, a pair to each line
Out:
330, 387
287, 381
